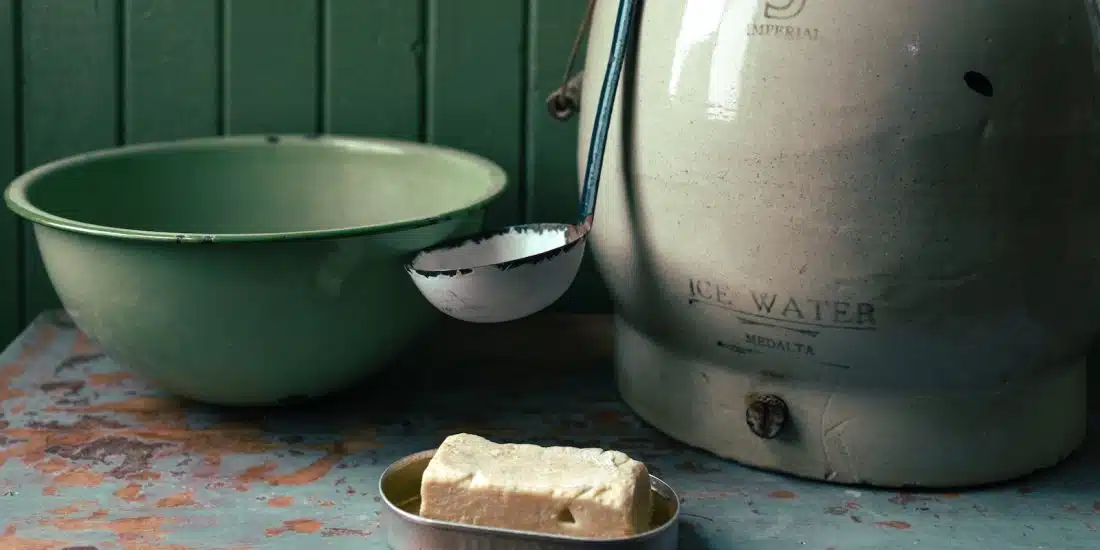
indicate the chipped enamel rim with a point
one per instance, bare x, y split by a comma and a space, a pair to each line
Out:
658, 486
16, 194
503, 266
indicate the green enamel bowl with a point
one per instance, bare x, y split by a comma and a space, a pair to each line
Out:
255, 269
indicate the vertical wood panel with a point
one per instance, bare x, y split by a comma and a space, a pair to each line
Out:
197, 67
271, 70
11, 261
553, 191
171, 69
475, 73
70, 98
373, 78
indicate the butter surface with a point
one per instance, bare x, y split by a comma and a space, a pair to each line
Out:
591, 493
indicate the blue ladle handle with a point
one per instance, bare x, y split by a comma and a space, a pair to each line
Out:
620, 39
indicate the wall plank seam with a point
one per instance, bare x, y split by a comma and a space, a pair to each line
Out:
122, 68
221, 77
324, 45
19, 157
425, 58
530, 78
523, 199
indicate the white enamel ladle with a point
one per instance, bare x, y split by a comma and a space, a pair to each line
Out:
516, 271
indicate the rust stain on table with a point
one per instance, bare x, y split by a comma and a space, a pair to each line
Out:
94, 457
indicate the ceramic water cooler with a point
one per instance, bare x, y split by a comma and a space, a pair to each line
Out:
855, 240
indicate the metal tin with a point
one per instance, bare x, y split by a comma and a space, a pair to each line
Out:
406, 530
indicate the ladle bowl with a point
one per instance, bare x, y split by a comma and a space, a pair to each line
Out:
502, 275
517, 271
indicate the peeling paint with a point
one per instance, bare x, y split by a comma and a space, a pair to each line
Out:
96, 458
130, 493
10, 539
894, 524
303, 526
110, 379
178, 500
783, 494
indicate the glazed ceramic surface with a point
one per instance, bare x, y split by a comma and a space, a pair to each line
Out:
500, 276
249, 270
877, 214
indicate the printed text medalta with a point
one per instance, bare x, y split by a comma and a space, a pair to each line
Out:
788, 346
781, 307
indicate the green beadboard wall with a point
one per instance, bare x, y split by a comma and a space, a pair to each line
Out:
79, 75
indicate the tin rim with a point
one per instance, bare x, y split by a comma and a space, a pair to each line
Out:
16, 196
658, 485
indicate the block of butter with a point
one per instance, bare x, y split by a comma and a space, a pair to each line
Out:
589, 493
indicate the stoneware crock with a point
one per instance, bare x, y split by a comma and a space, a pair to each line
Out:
252, 269
855, 240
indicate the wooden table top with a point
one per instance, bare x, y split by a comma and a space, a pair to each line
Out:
92, 456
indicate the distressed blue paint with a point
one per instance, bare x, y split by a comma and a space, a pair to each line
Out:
413, 408
620, 38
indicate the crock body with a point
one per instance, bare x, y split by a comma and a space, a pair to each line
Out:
878, 212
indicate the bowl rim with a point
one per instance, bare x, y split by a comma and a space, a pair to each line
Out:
15, 196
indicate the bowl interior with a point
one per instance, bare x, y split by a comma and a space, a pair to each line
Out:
258, 186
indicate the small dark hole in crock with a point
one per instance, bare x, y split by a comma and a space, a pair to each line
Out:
979, 83
273, 139
566, 516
